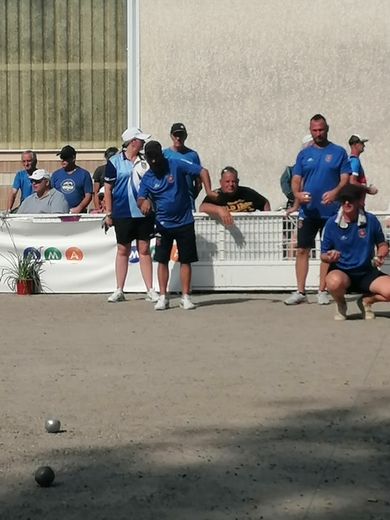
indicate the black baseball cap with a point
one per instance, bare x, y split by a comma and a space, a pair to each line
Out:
67, 152
355, 139
178, 128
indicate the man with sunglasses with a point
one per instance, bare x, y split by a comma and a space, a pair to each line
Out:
44, 199
179, 150
354, 246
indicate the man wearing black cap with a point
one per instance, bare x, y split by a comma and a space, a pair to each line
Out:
358, 177
73, 181
354, 245
164, 185
179, 150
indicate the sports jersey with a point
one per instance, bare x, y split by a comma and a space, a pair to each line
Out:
355, 242
125, 177
22, 183
320, 169
189, 155
357, 169
244, 200
73, 185
169, 192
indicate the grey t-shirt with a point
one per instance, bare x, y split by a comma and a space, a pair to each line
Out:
53, 202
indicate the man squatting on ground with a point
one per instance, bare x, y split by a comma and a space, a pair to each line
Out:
320, 172
348, 246
164, 185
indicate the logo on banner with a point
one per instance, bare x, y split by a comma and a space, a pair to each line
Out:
33, 252
134, 256
74, 254
52, 253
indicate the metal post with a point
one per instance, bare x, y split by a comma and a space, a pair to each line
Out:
133, 102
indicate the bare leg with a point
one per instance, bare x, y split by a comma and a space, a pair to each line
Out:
324, 268
163, 277
338, 283
121, 264
145, 263
185, 278
380, 289
302, 268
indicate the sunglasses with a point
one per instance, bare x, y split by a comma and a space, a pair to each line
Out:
34, 181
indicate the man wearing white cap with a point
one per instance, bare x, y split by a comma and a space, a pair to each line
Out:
44, 198
358, 177
123, 175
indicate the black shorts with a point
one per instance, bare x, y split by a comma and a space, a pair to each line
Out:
360, 282
307, 231
129, 229
185, 240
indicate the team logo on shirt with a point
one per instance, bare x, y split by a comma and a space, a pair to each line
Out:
362, 233
170, 179
67, 186
328, 157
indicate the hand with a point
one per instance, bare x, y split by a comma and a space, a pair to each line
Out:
328, 197
145, 207
378, 261
303, 197
225, 216
333, 256
75, 210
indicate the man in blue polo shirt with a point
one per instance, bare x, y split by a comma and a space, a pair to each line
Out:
354, 245
165, 186
74, 182
179, 150
320, 172
22, 180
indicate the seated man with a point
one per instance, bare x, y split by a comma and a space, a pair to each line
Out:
233, 198
44, 199
348, 245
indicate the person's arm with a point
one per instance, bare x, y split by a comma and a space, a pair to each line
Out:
205, 178
329, 255
143, 202
83, 204
221, 213
301, 197
108, 202
381, 252
11, 198
96, 188
330, 196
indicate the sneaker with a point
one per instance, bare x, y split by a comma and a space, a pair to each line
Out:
186, 303
365, 309
151, 295
341, 311
323, 298
295, 298
162, 304
116, 296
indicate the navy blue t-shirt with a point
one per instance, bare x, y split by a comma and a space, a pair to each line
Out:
73, 185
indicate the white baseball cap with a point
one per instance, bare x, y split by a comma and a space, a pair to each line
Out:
38, 175
134, 133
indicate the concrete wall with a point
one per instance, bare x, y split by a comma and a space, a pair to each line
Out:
245, 76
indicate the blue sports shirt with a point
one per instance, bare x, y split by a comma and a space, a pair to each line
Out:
73, 185
355, 243
125, 177
188, 155
169, 192
320, 169
22, 183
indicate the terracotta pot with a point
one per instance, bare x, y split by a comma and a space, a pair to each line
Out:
25, 287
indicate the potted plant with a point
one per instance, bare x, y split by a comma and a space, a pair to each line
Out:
23, 272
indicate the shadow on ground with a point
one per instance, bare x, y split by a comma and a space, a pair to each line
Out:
321, 464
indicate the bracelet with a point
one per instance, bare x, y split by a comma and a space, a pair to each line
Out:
109, 215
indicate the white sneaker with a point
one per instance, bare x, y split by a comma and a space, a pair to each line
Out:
341, 311
323, 298
162, 304
186, 303
366, 310
295, 298
116, 296
151, 296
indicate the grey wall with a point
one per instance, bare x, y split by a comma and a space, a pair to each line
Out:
245, 76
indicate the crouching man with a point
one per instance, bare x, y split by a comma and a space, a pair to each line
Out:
165, 186
354, 245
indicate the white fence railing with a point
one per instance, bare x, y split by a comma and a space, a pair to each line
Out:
257, 253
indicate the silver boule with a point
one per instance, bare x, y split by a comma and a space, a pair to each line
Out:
53, 425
